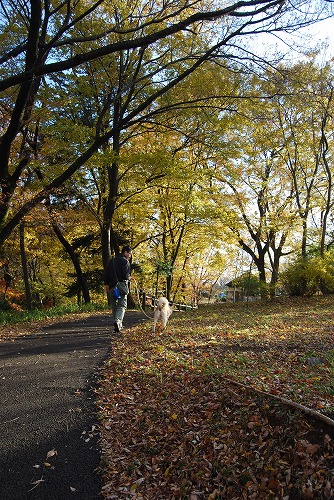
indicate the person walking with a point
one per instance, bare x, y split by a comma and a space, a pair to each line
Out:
117, 272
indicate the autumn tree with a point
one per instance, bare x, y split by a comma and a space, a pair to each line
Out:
250, 196
40, 39
301, 114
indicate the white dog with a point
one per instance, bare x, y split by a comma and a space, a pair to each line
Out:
162, 312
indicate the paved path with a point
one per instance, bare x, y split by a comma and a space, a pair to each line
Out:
49, 447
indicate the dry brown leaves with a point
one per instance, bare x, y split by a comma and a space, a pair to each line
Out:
173, 427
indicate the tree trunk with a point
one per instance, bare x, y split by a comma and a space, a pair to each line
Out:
105, 244
304, 237
275, 262
25, 267
324, 150
75, 260
169, 282
109, 240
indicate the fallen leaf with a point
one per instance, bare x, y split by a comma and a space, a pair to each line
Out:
51, 453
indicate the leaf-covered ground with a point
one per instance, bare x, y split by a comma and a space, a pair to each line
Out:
174, 424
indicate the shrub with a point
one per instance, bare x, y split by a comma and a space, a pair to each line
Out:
251, 286
309, 275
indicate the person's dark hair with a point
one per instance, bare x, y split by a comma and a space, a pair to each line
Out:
126, 249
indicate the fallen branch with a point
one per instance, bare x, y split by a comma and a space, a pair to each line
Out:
288, 402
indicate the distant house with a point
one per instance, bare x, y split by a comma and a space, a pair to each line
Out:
244, 288
232, 292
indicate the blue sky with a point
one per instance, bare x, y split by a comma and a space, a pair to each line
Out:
307, 38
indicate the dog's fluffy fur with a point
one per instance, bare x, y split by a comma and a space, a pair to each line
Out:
162, 312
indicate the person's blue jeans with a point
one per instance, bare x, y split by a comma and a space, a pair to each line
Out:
118, 307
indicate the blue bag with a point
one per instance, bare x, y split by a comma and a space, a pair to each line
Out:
117, 293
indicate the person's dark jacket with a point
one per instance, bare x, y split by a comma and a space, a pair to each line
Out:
118, 269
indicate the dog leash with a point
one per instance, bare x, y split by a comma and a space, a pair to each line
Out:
138, 297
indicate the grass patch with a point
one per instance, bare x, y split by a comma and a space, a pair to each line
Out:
13, 317
14, 323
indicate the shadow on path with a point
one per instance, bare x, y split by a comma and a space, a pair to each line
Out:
49, 445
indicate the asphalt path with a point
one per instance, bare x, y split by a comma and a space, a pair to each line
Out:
49, 437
